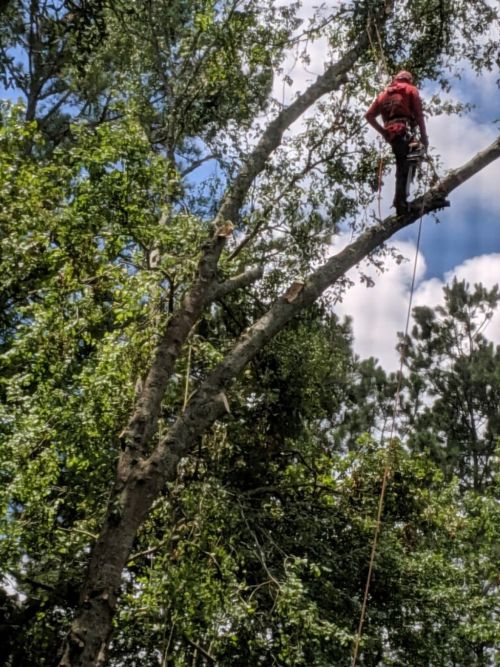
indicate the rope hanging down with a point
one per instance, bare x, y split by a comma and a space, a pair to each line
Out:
384, 70
385, 476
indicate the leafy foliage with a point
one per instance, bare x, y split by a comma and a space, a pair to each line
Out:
257, 554
455, 367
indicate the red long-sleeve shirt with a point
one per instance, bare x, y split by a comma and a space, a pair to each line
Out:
399, 100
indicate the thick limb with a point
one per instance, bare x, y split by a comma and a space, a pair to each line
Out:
130, 505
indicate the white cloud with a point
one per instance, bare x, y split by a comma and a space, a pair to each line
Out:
484, 269
457, 139
300, 74
379, 313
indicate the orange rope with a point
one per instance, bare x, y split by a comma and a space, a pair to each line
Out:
385, 476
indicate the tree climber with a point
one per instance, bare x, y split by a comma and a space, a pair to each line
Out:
401, 109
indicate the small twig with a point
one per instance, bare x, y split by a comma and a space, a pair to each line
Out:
78, 530
237, 282
199, 648
188, 370
146, 552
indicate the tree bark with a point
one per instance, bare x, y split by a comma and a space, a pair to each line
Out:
137, 484
142, 424
140, 479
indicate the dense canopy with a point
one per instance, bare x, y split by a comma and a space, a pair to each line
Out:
191, 454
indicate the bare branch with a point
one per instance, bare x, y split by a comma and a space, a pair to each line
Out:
197, 163
239, 281
206, 405
143, 422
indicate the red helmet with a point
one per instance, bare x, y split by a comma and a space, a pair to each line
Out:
404, 76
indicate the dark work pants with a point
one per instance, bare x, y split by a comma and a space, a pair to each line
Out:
401, 146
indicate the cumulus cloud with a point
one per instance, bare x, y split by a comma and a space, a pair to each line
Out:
456, 140
483, 269
378, 313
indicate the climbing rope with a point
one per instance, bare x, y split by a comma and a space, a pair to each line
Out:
383, 76
382, 67
387, 469
377, 50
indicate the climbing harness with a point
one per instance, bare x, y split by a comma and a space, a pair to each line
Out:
387, 469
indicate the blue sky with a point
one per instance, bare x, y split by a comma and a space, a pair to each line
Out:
466, 243
471, 226
472, 231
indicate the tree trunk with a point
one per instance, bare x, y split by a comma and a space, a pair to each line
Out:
90, 632
140, 480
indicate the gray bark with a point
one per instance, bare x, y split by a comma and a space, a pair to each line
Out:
206, 406
135, 485
140, 479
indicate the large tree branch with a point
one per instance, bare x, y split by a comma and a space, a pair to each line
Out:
458, 176
329, 81
144, 420
208, 404
237, 282
131, 504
